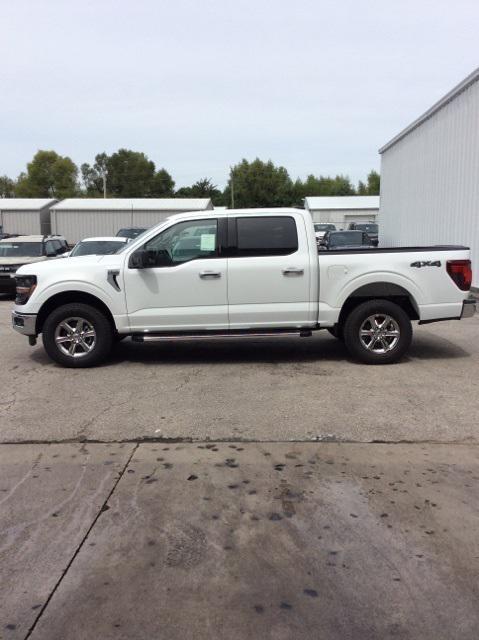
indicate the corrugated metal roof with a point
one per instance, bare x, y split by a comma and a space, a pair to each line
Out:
462, 86
126, 204
342, 202
25, 204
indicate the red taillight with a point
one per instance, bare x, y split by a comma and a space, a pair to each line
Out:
461, 272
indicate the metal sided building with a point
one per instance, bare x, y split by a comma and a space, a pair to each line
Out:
25, 216
341, 210
78, 218
430, 176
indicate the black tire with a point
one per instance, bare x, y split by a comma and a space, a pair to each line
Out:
336, 331
99, 344
393, 346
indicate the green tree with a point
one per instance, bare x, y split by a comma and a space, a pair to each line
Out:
129, 174
7, 187
340, 185
203, 188
162, 185
48, 175
362, 189
371, 188
374, 183
259, 184
92, 176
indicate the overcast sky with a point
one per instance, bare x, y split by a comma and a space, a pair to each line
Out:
199, 84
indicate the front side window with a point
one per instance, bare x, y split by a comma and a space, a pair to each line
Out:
185, 241
50, 248
266, 236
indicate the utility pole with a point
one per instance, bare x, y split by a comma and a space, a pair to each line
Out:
232, 188
103, 175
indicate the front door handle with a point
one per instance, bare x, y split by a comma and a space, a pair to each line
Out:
293, 271
209, 275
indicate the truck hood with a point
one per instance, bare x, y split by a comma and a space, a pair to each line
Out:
68, 264
21, 260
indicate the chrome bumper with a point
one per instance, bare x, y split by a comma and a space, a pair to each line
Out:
468, 308
24, 323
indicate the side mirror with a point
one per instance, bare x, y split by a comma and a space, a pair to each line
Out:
162, 258
144, 259
138, 259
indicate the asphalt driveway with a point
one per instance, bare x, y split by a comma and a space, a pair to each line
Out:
302, 389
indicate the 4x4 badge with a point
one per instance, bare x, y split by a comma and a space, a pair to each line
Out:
429, 263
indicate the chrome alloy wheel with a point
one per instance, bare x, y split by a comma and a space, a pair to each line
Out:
379, 333
75, 337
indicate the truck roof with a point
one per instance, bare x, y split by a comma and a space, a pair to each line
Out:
215, 213
32, 238
38, 238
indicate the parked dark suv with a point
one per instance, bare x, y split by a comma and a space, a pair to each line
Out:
338, 240
371, 228
20, 250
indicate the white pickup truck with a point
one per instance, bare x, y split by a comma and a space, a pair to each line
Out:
239, 273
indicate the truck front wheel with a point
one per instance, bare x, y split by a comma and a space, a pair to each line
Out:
77, 335
377, 332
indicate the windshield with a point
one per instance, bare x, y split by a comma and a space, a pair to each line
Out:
340, 239
324, 227
369, 228
130, 233
21, 249
96, 247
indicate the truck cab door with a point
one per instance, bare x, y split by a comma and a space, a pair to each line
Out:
183, 286
269, 272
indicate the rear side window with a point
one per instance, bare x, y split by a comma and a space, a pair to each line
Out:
266, 236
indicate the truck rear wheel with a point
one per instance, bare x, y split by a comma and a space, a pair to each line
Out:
77, 335
377, 332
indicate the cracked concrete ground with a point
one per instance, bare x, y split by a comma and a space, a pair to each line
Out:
267, 390
49, 497
262, 541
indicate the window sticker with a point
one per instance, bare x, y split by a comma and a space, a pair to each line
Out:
208, 241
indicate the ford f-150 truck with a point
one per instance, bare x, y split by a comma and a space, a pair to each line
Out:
240, 273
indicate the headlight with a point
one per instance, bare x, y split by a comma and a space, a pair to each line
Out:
25, 287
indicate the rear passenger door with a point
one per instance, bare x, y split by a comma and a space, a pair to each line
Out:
268, 272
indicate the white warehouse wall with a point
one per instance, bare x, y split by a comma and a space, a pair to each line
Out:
25, 223
342, 217
430, 180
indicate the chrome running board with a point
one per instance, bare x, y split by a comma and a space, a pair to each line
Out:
301, 333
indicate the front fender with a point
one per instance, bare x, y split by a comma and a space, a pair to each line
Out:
41, 296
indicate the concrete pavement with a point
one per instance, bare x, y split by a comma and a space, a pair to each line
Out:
49, 498
214, 541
